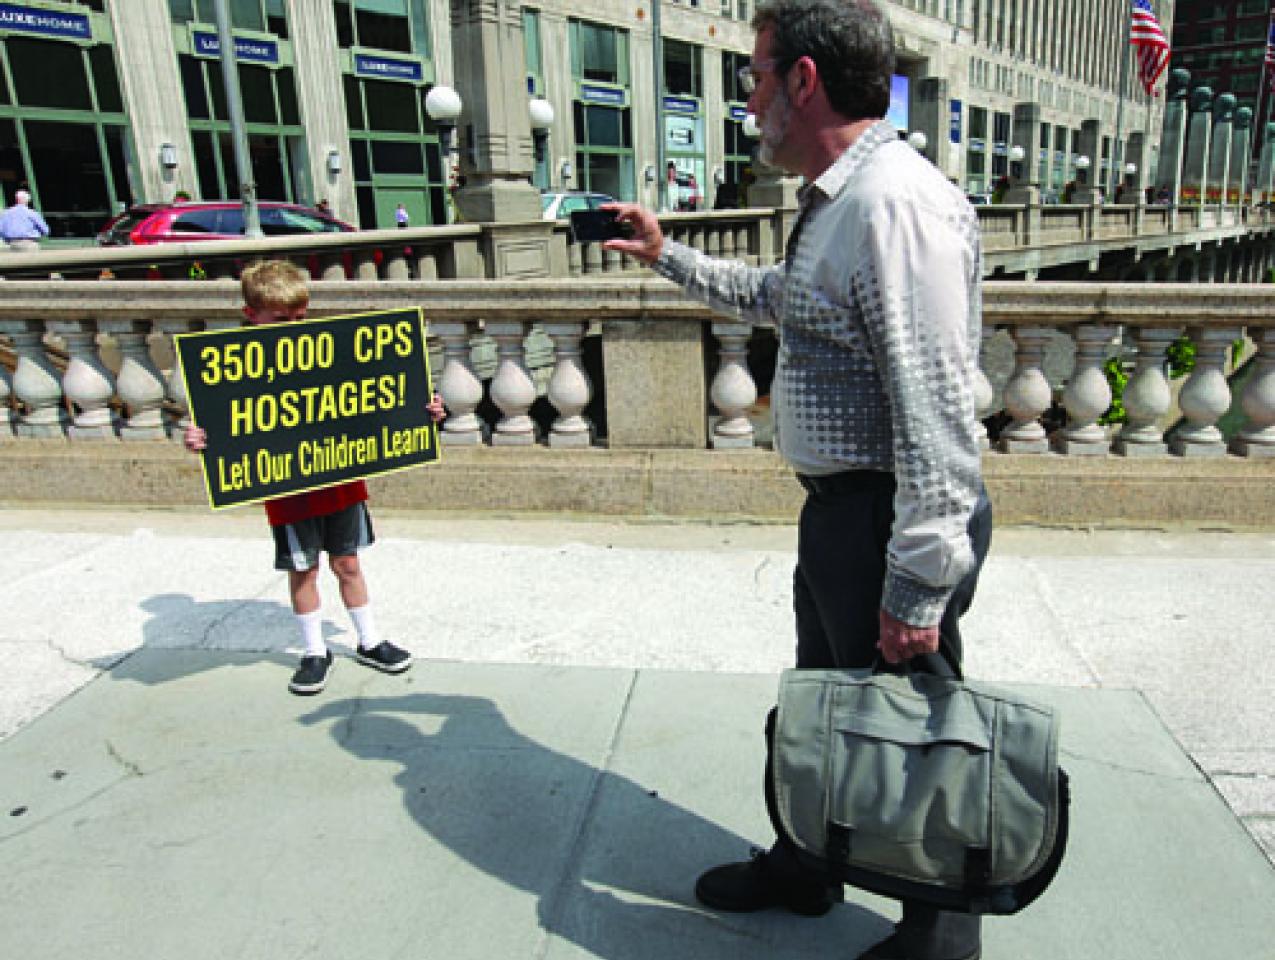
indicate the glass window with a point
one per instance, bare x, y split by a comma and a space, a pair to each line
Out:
289, 113
732, 63
105, 80
682, 68
205, 163
392, 107
397, 157
257, 90
599, 52
48, 74
247, 15
192, 74
198, 221
531, 43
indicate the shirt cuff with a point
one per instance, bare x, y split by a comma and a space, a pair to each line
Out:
913, 602
676, 262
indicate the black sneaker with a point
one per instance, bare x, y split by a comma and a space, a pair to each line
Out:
312, 674
756, 885
385, 657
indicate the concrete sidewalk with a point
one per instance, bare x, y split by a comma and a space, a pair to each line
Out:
580, 738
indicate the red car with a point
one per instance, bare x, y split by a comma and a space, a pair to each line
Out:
212, 220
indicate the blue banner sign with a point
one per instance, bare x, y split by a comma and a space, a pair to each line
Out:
250, 50
388, 68
954, 122
50, 23
738, 113
601, 95
679, 105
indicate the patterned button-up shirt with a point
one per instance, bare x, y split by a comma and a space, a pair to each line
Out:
879, 316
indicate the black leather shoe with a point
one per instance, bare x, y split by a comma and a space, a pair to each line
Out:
756, 885
891, 948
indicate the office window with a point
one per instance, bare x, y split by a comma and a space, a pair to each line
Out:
682, 68
401, 26
599, 52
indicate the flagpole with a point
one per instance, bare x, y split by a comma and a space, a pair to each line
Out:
1124, 80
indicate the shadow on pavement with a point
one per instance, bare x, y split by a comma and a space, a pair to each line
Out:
611, 863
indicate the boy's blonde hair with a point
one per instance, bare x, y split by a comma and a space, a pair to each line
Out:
275, 284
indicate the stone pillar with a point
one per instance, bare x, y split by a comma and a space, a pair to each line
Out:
1219, 166
569, 388
733, 390
1199, 133
512, 389
36, 383
153, 99
655, 390
1206, 395
1024, 187
496, 150
321, 102
1241, 150
1027, 394
140, 384
1135, 154
1147, 396
931, 114
1088, 395
1257, 439
1173, 139
459, 387
1087, 185
1266, 167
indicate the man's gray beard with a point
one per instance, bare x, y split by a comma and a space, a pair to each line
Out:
775, 127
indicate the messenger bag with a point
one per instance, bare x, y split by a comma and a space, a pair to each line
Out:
919, 787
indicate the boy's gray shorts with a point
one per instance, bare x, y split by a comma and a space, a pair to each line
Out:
340, 534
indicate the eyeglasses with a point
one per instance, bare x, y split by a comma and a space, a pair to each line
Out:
750, 75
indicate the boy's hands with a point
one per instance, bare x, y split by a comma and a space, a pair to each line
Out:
435, 408
194, 438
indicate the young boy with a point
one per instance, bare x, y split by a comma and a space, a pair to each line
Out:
334, 520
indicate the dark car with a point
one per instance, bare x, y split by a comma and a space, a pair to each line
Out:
185, 222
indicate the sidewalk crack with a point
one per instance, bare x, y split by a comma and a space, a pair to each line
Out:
555, 900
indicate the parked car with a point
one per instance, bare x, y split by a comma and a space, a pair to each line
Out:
559, 206
189, 221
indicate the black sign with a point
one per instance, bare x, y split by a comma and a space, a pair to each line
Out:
290, 407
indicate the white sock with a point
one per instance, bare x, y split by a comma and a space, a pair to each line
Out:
364, 625
312, 633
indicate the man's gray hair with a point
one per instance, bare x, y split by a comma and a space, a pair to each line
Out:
850, 42
22, 197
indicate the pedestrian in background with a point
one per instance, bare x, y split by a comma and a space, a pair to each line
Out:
401, 217
21, 228
877, 304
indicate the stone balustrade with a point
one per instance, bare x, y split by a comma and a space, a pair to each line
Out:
1018, 240
626, 365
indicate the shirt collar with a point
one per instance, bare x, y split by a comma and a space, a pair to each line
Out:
831, 181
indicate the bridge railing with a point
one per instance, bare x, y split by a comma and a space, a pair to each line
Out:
480, 251
629, 362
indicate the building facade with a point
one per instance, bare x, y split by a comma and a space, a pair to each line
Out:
107, 102
1223, 46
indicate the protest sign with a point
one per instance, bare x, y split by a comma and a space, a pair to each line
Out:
289, 407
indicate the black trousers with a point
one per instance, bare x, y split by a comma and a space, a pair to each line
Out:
841, 565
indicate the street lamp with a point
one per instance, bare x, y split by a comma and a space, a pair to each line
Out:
918, 141
443, 104
541, 112
1082, 169
1016, 155
751, 130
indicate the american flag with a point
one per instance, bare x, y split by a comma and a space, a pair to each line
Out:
1151, 45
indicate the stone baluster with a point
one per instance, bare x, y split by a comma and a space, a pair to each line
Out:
331, 266
512, 389
713, 246
1027, 394
396, 266
426, 263
1088, 395
727, 233
984, 394
569, 388
1257, 439
1206, 395
365, 264
575, 259
460, 389
36, 382
592, 257
176, 383
86, 382
733, 390
139, 384
1147, 395
612, 260
6, 412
